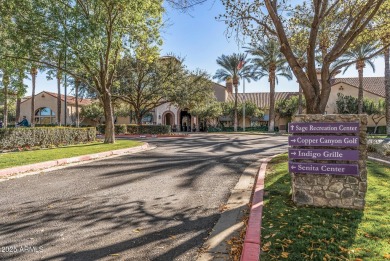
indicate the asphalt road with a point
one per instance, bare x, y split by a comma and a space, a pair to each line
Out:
159, 204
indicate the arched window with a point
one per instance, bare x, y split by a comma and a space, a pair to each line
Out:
45, 116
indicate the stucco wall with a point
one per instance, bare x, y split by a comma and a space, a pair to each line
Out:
220, 93
45, 100
347, 89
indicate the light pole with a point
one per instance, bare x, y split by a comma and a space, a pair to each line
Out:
243, 106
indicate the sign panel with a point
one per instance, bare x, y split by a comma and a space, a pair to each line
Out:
332, 141
320, 168
320, 154
323, 127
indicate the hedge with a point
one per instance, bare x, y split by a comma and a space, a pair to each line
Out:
380, 130
11, 138
137, 129
231, 129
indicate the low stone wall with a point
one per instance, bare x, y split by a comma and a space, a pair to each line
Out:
333, 190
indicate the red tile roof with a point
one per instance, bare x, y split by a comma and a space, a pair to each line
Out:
70, 100
261, 99
374, 85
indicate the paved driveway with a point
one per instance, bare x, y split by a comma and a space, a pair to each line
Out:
155, 205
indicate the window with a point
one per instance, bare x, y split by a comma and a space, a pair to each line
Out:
45, 116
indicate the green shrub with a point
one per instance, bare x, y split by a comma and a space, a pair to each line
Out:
148, 129
137, 129
120, 128
379, 130
44, 137
231, 129
101, 128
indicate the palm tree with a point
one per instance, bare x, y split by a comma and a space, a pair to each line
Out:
34, 72
359, 53
387, 89
76, 86
59, 77
6, 82
230, 70
269, 61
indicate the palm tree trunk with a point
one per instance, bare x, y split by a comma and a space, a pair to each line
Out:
360, 93
5, 108
235, 107
387, 89
271, 124
59, 98
34, 72
300, 100
77, 83
18, 102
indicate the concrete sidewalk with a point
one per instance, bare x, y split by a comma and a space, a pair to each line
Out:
231, 221
60, 162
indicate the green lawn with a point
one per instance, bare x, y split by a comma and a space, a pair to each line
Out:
12, 159
308, 233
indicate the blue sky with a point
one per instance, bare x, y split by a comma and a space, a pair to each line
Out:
199, 38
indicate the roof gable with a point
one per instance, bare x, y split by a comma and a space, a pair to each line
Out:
374, 85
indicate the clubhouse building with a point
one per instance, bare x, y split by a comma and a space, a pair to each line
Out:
181, 118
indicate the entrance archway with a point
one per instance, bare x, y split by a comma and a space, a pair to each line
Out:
185, 120
168, 118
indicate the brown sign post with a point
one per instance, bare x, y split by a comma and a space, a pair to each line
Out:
327, 160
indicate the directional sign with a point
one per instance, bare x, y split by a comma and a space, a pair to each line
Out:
332, 141
320, 168
323, 127
319, 154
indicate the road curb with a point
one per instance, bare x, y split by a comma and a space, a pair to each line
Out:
379, 160
54, 163
231, 221
252, 242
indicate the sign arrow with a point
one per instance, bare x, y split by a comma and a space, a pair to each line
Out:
293, 153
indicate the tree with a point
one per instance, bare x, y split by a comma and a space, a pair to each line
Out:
206, 112
269, 61
145, 84
95, 33
346, 104
288, 107
230, 70
93, 111
252, 110
327, 26
375, 109
387, 89
359, 53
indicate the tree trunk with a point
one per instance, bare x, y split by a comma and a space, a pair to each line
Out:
59, 98
77, 83
18, 101
235, 107
300, 100
138, 117
34, 72
5, 108
387, 89
271, 123
109, 136
360, 93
